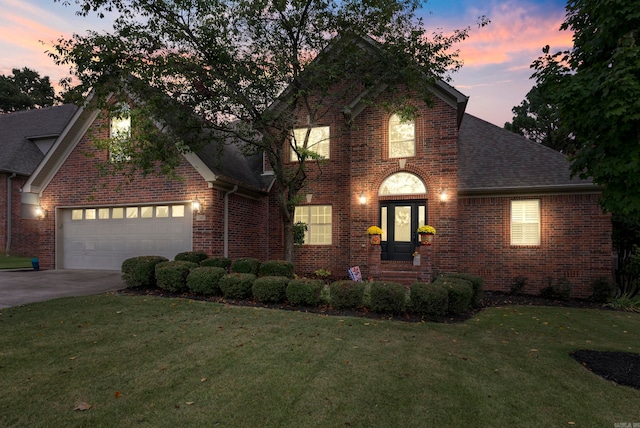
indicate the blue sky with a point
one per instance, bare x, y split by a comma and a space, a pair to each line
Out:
497, 57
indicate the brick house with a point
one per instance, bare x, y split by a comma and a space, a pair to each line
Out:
503, 206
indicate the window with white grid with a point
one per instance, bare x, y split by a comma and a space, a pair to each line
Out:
402, 141
317, 141
318, 221
525, 222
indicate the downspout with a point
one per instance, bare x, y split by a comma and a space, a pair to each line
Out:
11, 177
226, 219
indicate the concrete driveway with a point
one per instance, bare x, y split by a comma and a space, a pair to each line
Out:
27, 286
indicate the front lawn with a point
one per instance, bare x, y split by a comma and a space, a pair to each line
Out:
13, 262
149, 361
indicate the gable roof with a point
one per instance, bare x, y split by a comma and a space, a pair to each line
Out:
21, 130
494, 160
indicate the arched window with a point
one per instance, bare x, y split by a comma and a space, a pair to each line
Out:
402, 183
402, 141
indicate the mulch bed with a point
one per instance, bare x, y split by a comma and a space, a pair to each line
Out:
622, 368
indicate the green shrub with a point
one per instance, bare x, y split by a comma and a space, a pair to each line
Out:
270, 289
276, 268
141, 271
246, 265
477, 285
346, 294
304, 291
626, 303
602, 290
221, 262
237, 285
518, 284
460, 294
557, 290
429, 300
387, 297
172, 276
205, 280
191, 256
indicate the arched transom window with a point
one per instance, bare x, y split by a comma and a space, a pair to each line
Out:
402, 141
402, 183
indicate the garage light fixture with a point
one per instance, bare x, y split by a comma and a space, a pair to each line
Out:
196, 205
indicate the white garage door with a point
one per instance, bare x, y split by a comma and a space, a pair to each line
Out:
102, 238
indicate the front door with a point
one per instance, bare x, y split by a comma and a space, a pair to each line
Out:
399, 221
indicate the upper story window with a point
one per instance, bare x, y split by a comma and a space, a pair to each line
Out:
402, 137
120, 131
318, 141
525, 222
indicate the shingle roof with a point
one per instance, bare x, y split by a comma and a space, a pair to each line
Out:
19, 130
491, 158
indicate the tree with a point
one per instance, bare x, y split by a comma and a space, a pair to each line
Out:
537, 118
24, 90
597, 92
248, 68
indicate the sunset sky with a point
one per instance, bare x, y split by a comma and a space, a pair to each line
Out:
497, 58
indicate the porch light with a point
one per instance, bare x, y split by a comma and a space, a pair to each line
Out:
443, 196
362, 198
196, 205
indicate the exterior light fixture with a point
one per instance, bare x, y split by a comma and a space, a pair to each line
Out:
443, 196
41, 212
196, 205
362, 198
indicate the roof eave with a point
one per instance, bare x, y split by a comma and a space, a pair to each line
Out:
530, 190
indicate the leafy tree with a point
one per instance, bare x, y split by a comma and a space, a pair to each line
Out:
537, 118
597, 92
248, 68
24, 90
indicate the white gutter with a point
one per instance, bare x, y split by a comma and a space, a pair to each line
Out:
11, 177
226, 219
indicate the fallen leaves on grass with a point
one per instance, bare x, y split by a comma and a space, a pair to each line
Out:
82, 406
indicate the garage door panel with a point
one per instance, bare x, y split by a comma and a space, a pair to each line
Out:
106, 242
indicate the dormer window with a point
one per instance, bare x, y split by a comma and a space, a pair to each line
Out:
402, 141
318, 142
120, 131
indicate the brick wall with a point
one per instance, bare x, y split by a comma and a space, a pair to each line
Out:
575, 242
25, 234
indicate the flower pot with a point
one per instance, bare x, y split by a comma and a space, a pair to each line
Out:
375, 239
426, 238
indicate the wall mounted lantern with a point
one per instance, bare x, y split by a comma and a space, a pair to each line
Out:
362, 198
41, 213
443, 196
196, 205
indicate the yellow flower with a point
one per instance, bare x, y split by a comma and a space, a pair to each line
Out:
374, 230
427, 230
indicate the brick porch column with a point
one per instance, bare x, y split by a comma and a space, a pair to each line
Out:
424, 269
374, 261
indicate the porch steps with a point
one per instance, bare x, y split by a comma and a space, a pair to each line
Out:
404, 277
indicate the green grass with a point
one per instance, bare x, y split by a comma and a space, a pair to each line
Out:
154, 362
13, 262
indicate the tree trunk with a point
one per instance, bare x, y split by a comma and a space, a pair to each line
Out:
287, 222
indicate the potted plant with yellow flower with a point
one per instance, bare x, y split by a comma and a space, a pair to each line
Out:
426, 234
374, 232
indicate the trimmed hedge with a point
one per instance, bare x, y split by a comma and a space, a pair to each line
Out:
387, 297
237, 285
460, 293
205, 280
141, 271
602, 290
246, 265
429, 300
221, 262
277, 268
172, 276
346, 294
305, 291
191, 256
270, 289
477, 284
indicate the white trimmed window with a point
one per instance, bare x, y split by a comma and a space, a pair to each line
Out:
120, 131
318, 141
402, 137
525, 222
318, 219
